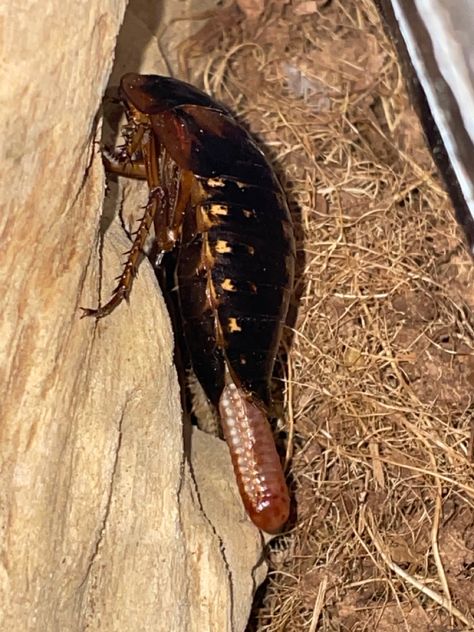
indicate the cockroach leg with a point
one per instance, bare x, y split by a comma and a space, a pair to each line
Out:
168, 225
123, 160
124, 285
121, 163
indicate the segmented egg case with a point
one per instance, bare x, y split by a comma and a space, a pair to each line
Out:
256, 463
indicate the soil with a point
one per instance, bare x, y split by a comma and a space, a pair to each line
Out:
378, 406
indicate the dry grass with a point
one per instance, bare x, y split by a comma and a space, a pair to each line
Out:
381, 364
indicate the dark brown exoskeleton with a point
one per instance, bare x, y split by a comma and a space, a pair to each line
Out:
214, 195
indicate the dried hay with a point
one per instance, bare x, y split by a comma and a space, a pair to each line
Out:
381, 363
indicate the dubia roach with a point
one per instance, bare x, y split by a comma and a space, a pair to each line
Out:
214, 196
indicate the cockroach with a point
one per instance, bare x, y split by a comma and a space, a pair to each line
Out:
214, 196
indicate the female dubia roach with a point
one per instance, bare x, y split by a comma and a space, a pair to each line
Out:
214, 196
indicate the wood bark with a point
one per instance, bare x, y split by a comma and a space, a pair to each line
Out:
106, 523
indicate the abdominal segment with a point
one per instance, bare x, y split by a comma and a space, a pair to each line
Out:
255, 459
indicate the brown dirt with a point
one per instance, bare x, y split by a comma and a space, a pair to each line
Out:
381, 364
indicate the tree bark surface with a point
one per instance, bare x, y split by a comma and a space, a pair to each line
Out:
105, 521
